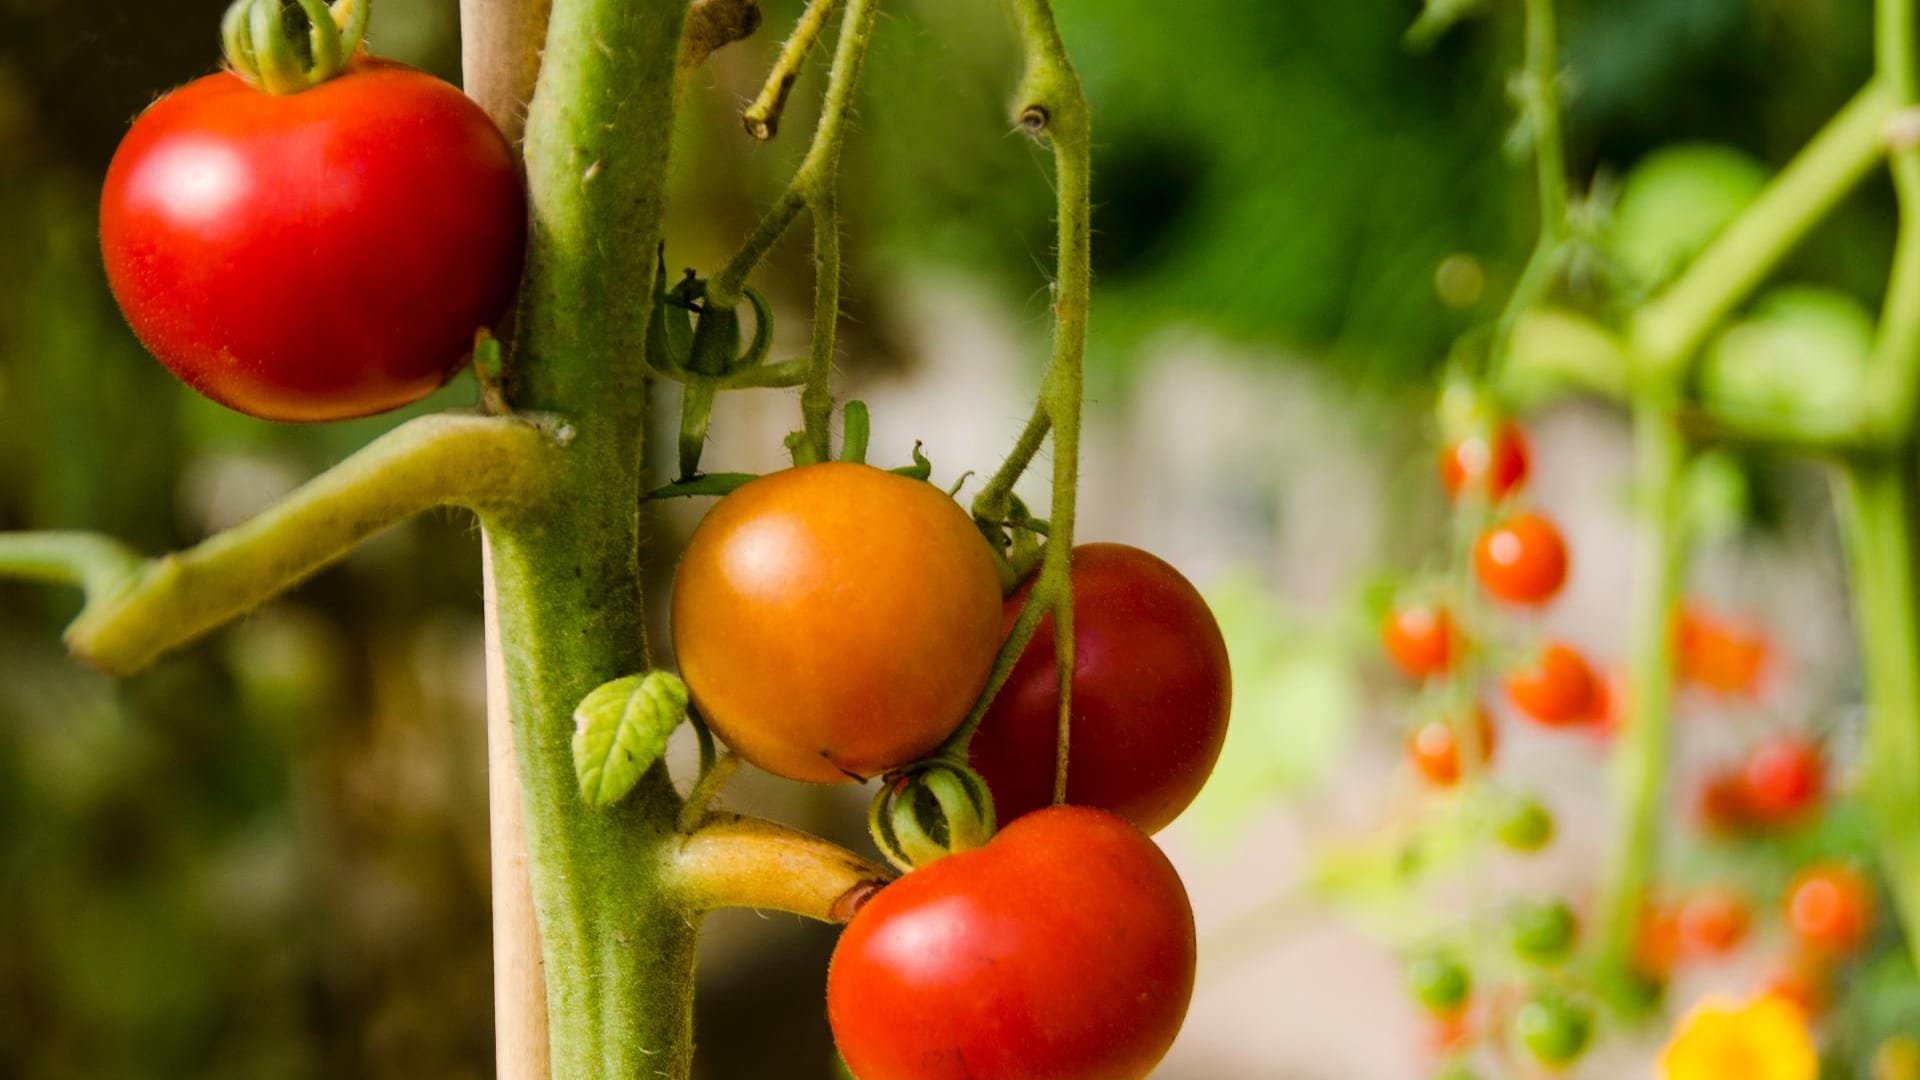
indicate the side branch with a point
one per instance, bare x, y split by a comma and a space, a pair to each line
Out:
136, 610
745, 862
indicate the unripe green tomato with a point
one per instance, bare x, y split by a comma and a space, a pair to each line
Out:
1523, 824
1555, 1031
1801, 351
1543, 933
1440, 983
1674, 201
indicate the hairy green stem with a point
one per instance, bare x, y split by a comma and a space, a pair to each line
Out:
135, 610
762, 118
1877, 497
1540, 97
1640, 759
617, 945
1053, 105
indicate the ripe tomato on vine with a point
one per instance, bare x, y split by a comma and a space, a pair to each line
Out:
318, 254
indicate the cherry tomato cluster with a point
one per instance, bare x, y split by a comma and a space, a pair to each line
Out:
835, 622
1520, 561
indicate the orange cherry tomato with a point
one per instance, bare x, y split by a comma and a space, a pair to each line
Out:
1656, 941
1501, 464
835, 621
1435, 751
1522, 560
1420, 639
1830, 908
1558, 690
1721, 655
1783, 779
1712, 922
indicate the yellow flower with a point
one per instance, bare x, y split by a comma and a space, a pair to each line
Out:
1765, 1038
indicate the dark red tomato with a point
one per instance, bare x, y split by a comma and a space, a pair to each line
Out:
1151, 690
1560, 688
1503, 464
1783, 779
1830, 908
1435, 751
1063, 950
1712, 922
1420, 639
1522, 560
1721, 655
1722, 803
317, 255
835, 621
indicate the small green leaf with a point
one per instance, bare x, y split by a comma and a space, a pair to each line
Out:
621, 729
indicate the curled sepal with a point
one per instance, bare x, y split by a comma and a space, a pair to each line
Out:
855, 428
621, 729
284, 50
929, 811
921, 469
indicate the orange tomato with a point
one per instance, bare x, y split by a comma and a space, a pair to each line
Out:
1522, 560
835, 621
1830, 908
1720, 654
1420, 639
1559, 689
1435, 752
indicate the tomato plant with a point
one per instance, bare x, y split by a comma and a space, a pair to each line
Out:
1558, 689
1151, 692
1522, 560
1420, 639
1064, 949
1830, 908
314, 255
1497, 466
1434, 748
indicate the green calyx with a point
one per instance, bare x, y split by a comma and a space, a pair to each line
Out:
934, 809
285, 47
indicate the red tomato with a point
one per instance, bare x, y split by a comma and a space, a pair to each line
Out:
1436, 754
1720, 655
1722, 803
1472, 460
317, 255
1522, 560
1804, 980
1783, 778
835, 619
1830, 908
1712, 922
1063, 950
1420, 639
1560, 689
1151, 690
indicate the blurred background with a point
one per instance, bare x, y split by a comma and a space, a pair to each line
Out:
266, 856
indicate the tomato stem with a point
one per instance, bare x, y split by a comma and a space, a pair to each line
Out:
762, 117
135, 610
733, 861
275, 53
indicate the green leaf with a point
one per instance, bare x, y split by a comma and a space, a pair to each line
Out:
621, 729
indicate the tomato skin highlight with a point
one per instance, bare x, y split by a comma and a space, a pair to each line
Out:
835, 619
1782, 780
1152, 691
1522, 560
1558, 690
319, 255
1063, 950
1420, 639
1435, 752
1471, 460
1830, 908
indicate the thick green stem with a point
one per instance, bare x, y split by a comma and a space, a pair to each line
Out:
136, 610
1893, 390
618, 946
1670, 329
1640, 759
1877, 498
